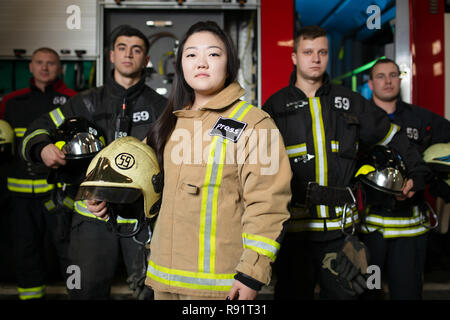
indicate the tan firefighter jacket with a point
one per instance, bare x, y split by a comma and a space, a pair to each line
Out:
226, 189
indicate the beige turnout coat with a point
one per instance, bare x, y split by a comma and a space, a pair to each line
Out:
226, 189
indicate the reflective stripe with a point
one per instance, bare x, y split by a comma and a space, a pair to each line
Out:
124, 220
296, 150
68, 202
322, 224
50, 205
334, 146
81, 208
210, 194
31, 136
31, 293
57, 117
395, 232
391, 227
29, 185
391, 133
262, 245
188, 279
319, 149
19, 132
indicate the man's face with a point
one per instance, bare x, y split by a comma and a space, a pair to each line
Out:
129, 56
45, 67
311, 58
385, 82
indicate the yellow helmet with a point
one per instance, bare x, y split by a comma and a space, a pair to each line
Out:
6, 140
121, 173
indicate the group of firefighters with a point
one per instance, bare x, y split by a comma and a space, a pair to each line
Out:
349, 191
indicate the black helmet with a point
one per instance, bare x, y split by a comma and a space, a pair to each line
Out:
80, 140
6, 141
383, 169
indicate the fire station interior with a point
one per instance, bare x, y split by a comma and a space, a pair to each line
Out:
358, 36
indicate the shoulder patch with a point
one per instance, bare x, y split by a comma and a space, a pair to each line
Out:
228, 128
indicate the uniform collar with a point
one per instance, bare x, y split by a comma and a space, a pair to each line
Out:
118, 91
223, 99
322, 91
54, 86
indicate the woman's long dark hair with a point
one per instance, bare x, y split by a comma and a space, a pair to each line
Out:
182, 94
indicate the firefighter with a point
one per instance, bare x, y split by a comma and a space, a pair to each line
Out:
323, 126
124, 106
223, 209
27, 182
396, 231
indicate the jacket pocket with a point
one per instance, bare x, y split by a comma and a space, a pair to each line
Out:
348, 135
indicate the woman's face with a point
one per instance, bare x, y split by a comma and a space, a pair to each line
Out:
204, 63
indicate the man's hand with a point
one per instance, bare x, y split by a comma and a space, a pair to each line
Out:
240, 291
52, 156
406, 191
98, 208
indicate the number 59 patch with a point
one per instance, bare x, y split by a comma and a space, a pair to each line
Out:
341, 103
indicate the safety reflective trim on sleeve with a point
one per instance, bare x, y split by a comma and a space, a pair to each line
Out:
393, 222
210, 194
29, 185
68, 202
31, 136
188, 279
20, 132
57, 117
260, 244
319, 149
124, 220
80, 207
334, 146
49, 205
296, 150
31, 293
391, 133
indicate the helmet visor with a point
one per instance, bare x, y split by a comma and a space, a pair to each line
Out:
108, 194
104, 172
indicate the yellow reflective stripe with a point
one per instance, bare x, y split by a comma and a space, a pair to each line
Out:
123, 220
334, 146
309, 224
57, 117
68, 202
31, 293
29, 185
319, 149
296, 150
395, 222
19, 132
80, 207
189, 279
396, 232
391, 133
50, 205
210, 194
31, 136
260, 244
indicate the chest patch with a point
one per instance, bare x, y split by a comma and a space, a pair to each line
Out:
412, 133
228, 128
59, 100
